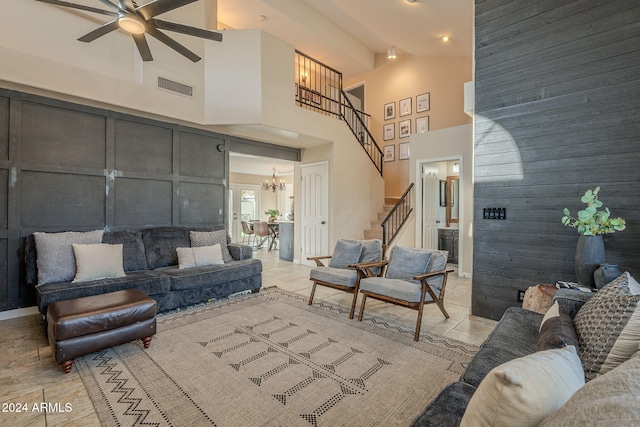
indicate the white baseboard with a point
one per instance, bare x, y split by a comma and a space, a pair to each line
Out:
18, 312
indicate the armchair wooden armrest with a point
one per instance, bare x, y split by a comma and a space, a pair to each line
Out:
318, 259
364, 268
432, 274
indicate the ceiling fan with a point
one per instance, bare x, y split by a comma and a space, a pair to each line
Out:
138, 20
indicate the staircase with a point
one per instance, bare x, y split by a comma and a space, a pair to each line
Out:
375, 232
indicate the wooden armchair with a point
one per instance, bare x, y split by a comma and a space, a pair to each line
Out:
413, 278
341, 272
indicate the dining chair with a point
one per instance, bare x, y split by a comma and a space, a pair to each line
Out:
261, 230
247, 232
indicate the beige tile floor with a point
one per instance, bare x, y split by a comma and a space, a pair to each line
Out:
29, 377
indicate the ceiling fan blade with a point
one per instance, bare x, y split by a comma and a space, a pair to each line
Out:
158, 7
108, 3
99, 32
143, 47
79, 6
126, 4
172, 43
185, 29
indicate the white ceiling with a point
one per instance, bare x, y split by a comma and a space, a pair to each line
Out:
347, 34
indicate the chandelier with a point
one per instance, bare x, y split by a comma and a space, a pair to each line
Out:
274, 184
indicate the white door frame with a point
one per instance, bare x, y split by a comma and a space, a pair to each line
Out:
300, 207
419, 164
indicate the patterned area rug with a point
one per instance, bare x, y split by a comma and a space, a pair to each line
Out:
269, 359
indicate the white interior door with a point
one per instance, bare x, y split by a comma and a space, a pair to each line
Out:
244, 202
314, 211
430, 197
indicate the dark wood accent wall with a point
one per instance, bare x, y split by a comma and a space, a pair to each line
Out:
557, 112
66, 166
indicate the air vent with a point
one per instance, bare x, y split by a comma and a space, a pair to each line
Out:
175, 87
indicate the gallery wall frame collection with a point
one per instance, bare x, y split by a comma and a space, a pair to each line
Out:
405, 108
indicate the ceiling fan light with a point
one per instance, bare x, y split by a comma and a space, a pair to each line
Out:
132, 24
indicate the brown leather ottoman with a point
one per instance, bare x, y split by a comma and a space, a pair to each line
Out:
81, 326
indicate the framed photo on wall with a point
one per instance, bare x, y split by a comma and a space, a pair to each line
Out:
403, 151
389, 131
405, 107
423, 102
389, 153
422, 124
404, 128
390, 110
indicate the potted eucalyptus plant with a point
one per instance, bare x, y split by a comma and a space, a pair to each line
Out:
592, 222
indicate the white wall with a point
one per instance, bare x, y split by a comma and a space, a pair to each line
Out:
441, 145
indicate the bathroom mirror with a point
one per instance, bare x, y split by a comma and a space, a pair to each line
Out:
453, 202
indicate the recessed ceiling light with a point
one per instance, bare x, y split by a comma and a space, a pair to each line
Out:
412, 1
262, 18
445, 38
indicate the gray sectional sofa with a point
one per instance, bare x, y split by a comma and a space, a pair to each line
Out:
151, 265
515, 335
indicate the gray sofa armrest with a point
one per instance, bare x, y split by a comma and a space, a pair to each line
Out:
571, 300
239, 251
447, 409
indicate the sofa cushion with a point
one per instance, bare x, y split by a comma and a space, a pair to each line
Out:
608, 327
515, 335
160, 243
149, 282
337, 276
98, 261
199, 257
556, 330
524, 391
407, 262
212, 274
210, 238
56, 261
571, 300
447, 409
133, 255
345, 253
609, 400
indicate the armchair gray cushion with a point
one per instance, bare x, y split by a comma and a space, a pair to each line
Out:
407, 262
345, 253
395, 288
337, 276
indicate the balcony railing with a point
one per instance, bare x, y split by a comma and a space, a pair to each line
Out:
319, 88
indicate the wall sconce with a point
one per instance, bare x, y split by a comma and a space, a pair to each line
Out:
303, 78
456, 168
391, 53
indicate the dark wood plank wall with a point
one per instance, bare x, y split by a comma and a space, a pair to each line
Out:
66, 166
557, 112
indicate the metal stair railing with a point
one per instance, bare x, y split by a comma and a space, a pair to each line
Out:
356, 121
397, 217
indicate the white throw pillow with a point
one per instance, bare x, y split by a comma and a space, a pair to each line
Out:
199, 256
97, 261
524, 391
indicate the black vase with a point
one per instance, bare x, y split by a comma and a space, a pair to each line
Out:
606, 273
589, 256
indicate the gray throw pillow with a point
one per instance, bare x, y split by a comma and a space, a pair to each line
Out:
210, 238
56, 261
345, 253
407, 262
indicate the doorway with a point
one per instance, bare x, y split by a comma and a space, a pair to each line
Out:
439, 212
244, 205
314, 211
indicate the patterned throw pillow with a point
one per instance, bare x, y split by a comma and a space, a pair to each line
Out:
556, 330
210, 238
608, 327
